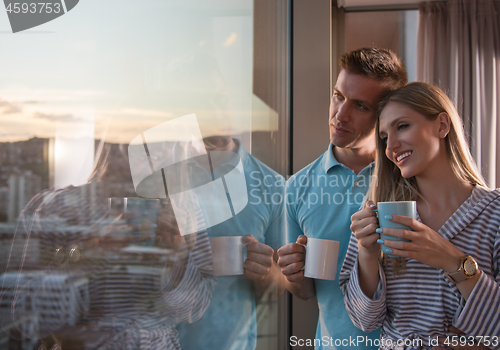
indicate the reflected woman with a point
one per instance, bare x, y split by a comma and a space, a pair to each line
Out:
449, 272
108, 276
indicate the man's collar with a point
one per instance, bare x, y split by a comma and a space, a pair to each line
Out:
329, 160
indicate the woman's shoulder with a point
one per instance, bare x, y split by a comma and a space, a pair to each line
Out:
480, 192
39, 200
64, 202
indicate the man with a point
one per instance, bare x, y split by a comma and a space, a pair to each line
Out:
249, 186
230, 320
322, 197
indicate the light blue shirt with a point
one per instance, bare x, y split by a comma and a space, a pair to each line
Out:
320, 201
230, 320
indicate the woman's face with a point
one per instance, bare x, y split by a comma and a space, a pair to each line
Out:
413, 142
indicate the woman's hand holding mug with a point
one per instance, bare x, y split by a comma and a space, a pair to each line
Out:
363, 225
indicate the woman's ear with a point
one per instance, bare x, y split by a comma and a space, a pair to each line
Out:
444, 124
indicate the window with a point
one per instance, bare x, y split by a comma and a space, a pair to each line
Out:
132, 134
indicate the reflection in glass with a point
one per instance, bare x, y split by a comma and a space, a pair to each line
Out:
113, 267
89, 264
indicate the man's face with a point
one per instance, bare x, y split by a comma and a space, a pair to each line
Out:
353, 110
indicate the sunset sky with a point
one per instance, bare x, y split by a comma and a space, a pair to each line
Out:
105, 65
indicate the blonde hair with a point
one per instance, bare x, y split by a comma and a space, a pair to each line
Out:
390, 185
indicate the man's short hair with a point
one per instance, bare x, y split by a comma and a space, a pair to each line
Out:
379, 64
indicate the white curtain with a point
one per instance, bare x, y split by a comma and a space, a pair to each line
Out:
459, 51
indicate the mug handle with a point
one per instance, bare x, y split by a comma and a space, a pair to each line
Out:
244, 255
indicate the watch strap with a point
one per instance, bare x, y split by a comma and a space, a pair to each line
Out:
461, 275
457, 276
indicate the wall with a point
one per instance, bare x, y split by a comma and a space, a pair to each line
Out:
311, 96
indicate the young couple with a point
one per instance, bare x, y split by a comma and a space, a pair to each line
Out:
446, 278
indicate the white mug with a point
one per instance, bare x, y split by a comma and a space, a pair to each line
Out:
321, 258
228, 255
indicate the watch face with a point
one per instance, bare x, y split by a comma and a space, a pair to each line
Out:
470, 267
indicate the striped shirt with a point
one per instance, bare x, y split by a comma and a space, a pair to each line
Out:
422, 303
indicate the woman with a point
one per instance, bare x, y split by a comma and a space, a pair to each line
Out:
433, 284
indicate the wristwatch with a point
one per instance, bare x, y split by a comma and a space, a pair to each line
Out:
467, 269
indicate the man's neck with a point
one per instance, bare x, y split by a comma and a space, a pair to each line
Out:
354, 159
220, 153
220, 144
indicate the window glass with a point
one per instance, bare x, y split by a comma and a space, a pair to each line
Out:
141, 144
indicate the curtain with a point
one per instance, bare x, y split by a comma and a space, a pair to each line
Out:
459, 51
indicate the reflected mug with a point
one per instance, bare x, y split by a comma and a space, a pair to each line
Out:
228, 255
321, 258
404, 208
